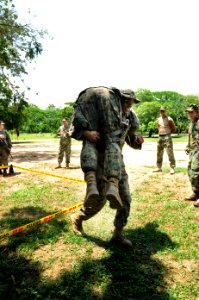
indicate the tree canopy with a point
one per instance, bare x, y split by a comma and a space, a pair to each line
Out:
149, 108
19, 45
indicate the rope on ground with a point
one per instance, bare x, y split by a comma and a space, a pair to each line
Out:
40, 221
44, 173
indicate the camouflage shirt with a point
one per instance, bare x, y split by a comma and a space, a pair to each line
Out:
6, 142
193, 135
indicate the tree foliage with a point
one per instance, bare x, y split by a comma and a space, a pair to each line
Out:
45, 120
149, 108
19, 44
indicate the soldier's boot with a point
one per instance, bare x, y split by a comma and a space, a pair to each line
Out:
172, 171
157, 170
191, 197
67, 165
76, 221
196, 203
92, 193
112, 193
0, 171
5, 172
118, 238
58, 166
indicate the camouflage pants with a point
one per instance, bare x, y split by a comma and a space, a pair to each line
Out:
112, 160
122, 213
193, 170
165, 142
3, 156
64, 148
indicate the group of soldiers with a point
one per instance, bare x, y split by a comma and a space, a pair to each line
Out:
104, 121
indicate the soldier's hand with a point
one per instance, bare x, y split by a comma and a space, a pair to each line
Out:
92, 136
139, 139
187, 152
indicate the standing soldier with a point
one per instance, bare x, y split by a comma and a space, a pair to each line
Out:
193, 150
5, 147
165, 126
113, 109
65, 143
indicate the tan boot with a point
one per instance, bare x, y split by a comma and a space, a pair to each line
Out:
196, 203
191, 197
117, 238
92, 194
58, 166
157, 170
112, 194
172, 171
76, 222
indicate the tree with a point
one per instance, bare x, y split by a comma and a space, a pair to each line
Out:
19, 45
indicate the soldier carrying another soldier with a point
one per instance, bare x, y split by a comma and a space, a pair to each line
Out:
65, 143
5, 147
165, 126
104, 121
193, 150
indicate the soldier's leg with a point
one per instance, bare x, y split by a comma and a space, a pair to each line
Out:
170, 153
112, 171
160, 152
87, 212
61, 152
88, 159
194, 173
4, 160
122, 213
68, 151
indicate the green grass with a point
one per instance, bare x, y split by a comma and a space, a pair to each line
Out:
50, 262
33, 136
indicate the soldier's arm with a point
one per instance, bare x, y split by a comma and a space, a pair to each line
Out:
8, 140
135, 141
172, 125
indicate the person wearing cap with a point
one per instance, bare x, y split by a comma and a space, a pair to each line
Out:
166, 127
193, 150
5, 147
65, 143
104, 121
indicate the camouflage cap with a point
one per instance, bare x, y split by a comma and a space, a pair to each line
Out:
162, 108
129, 95
192, 107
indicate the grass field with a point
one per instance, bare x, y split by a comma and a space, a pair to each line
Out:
50, 262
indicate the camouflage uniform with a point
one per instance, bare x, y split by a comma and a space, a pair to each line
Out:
5, 145
193, 150
105, 157
165, 141
65, 145
99, 109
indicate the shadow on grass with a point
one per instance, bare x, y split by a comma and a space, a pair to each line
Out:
122, 274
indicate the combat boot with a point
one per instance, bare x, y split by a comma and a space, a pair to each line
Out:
58, 167
118, 238
191, 197
196, 203
112, 194
76, 221
92, 194
67, 166
172, 171
157, 170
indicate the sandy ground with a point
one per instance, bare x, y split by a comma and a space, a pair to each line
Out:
42, 155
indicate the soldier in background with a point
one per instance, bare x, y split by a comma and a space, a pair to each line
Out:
65, 143
5, 147
165, 126
193, 150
